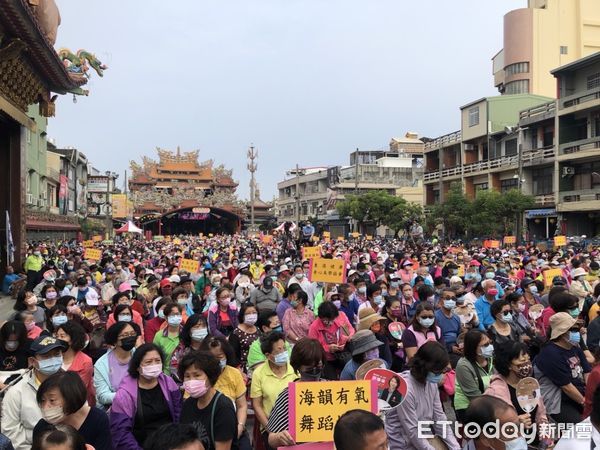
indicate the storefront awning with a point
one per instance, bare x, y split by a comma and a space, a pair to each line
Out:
547, 212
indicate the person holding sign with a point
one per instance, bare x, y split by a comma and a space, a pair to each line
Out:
422, 402
307, 360
512, 364
365, 347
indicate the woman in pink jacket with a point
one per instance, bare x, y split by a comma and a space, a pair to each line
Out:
333, 330
513, 364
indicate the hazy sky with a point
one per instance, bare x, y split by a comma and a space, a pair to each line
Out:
306, 81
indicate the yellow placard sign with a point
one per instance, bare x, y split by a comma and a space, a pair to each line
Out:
176, 241
210, 235
328, 270
560, 241
461, 270
549, 275
315, 407
267, 239
341, 238
326, 235
168, 238
311, 252
355, 234
88, 243
189, 265
369, 237
510, 239
94, 254
97, 238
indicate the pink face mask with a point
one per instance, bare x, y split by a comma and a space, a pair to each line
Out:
492, 291
152, 371
196, 388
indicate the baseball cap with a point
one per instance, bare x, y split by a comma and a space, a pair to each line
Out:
175, 279
559, 281
284, 268
43, 344
165, 282
268, 282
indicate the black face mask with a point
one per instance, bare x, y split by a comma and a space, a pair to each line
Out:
128, 343
313, 374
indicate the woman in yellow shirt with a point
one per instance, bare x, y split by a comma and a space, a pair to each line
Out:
230, 383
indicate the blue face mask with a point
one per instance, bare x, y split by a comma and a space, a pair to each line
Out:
278, 329
59, 320
281, 359
490, 275
222, 363
574, 313
516, 444
174, 320
449, 304
574, 337
51, 365
434, 378
378, 299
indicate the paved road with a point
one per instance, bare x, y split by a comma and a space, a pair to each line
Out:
6, 307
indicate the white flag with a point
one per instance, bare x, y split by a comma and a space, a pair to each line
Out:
10, 246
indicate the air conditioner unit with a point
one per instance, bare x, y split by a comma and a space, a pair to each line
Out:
469, 146
568, 171
42, 202
29, 199
44, 195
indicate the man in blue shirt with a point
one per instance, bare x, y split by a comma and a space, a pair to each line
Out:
483, 304
449, 323
9, 279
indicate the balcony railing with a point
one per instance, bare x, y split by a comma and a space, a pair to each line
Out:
444, 141
583, 195
580, 146
544, 200
529, 156
578, 99
545, 109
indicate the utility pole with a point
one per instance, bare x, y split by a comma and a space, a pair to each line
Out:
252, 166
108, 204
518, 225
297, 197
356, 172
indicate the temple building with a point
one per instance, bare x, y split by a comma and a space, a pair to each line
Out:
32, 73
178, 194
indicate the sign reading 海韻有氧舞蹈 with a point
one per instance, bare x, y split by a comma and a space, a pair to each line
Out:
315, 407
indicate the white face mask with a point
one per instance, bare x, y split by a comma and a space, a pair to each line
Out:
53, 415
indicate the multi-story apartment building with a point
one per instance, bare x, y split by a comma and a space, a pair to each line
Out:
313, 192
577, 168
484, 154
545, 35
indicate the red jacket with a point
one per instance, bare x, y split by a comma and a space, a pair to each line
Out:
339, 332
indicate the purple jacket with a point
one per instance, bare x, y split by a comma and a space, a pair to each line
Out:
214, 318
124, 407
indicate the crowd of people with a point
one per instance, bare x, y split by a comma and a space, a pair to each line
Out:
132, 352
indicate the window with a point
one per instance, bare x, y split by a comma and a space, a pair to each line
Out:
510, 147
564, 50
513, 69
517, 87
474, 116
542, 180
481, 187
507, 185
593, 81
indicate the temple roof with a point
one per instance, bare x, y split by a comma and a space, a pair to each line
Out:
20, 21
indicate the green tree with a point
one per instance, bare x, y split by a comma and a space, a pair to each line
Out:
401, 213
494, 214
454, 214
380, 208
